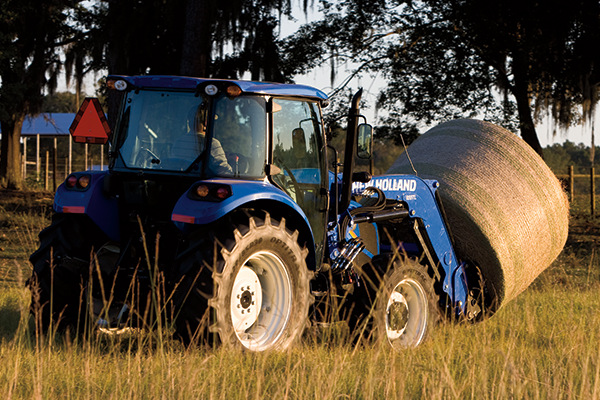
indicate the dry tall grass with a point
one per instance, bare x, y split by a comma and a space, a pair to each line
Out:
543, 344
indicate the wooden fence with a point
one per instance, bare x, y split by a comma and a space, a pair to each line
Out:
52, 170
569, 182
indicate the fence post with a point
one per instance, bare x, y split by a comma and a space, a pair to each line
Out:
24, 160
46, 171
592, 192
571, 183
54, 163
37, 158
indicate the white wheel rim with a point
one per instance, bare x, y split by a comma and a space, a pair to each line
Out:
261, 301
407, 313
246, 299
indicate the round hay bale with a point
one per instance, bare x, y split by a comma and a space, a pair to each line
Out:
507, 211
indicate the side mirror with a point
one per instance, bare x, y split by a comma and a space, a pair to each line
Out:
364, 141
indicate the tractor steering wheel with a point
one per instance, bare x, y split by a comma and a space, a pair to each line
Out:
294, 189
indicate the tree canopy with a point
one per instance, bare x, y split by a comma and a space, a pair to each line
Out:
204, 38
508, 61
188, 37
32, 33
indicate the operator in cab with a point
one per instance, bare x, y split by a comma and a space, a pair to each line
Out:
193, 142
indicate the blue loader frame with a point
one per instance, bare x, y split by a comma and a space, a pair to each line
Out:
419, 196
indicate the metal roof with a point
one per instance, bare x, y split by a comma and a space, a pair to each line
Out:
51, 124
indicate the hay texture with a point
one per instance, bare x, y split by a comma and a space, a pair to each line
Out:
506, 209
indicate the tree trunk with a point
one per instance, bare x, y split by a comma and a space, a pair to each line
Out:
10, 156
521, 93
196, 49
528, 132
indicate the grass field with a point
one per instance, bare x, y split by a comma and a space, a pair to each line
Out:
542, 345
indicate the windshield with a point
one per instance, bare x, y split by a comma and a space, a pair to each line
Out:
179, 131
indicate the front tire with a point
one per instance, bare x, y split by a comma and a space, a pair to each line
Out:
407, 309
260, 287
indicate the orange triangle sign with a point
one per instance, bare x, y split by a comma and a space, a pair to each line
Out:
90, 124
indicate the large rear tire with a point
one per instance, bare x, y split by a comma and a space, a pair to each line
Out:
61, 270
257, 296
406, 307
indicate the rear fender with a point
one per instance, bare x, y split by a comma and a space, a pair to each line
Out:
91, 201
191, 210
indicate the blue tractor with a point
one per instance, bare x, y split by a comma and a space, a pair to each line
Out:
223, 212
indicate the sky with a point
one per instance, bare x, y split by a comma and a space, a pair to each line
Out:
578, 134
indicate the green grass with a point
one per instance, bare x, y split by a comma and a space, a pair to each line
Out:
543, 344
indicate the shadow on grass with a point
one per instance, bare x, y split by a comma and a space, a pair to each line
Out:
13, 311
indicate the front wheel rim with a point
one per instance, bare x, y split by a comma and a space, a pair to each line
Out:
261, 301
407, 314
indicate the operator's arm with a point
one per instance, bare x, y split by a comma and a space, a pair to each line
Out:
218, 161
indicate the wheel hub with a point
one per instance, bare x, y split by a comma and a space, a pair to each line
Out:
397, 315
261, 300
407, 313
246, 299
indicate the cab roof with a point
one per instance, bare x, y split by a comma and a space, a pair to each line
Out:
189, 83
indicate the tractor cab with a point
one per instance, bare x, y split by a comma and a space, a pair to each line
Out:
171, 132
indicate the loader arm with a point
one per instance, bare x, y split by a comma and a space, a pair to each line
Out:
418, 200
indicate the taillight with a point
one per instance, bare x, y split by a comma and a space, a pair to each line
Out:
71, 181
78, 181
223, 192
202, 191
84, 181
210, 192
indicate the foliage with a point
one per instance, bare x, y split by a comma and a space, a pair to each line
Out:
560, 156
125, 37
31, 36
181, 37
449, 59
541, 345
60, 102
514, 354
